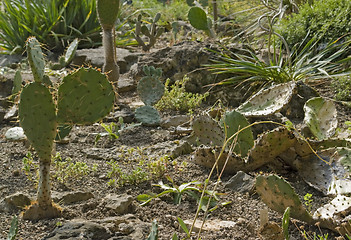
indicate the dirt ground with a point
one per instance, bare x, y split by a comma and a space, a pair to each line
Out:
243, 209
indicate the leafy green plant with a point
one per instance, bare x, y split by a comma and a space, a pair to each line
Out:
308, 201
154, 231
301, 63
54, 22
190, 188
30, 168
342, 88
328, 20
66, 169
285, 223
176, 98
13, 229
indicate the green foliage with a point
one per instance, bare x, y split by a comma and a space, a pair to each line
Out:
285, 223
54, 22
327, 19
13, 229
308, 201
154, 231
30, 168
199, 20
301, 63
342, 88
176, 98
190, 188
66, 169
144, 168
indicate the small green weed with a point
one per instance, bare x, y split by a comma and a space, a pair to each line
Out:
308, 201
176, 98
30, 168
13, 229
190, 188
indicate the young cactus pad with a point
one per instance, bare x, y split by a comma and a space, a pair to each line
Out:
37, 115
108, 12
278, 195
320, 117
35, 58
150, 88
84, 97
148, 116
235, 121
268, 101
198, 18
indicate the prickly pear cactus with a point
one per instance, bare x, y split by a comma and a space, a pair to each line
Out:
234, 121
207, 131
198, 18
271, 144
148, 116
278, 195
37, 115
320, 117
35, 58
150, 88
107, 12
268, 101
84, 97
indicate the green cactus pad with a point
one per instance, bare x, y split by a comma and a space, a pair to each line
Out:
235, 121
84, 97
268, 101
37, 116
17, 82
150, 90
271, 144
278, 195
148, 116
107, 12
320, 117
71, 51
35, 58
207, 131
198, 18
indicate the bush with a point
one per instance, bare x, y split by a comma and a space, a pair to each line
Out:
326, 19
53, 22
342, 88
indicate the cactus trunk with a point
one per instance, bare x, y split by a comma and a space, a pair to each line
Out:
110, 66
44, 189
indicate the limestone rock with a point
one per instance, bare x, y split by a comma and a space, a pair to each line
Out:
120, 204
71, 197
14, 202
241, 182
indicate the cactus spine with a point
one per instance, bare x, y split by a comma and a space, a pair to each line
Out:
108, 12
38, 118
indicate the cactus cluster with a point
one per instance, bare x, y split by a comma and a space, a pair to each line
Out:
150, 30
150, 90
83, 97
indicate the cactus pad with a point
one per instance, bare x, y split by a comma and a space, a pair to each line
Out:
278, 195
207, 131
107, 12
148, 116
84, 97
268, 101
320, 117
198, 18
71, 51
271, 144
37, 116
35, 58
150, 90
235, 121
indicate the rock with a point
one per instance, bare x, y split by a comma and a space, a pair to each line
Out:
15, 134
241, 182
125, 84
181, 149
210, 225
10, 60
271, 231
175, 121
126, 227
71, 197
125, 112
11, 113
14, 202
119, 204
79, 229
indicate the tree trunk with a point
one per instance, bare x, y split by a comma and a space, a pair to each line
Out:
110, 67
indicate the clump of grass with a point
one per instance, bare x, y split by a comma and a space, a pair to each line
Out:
342, 88
176, 98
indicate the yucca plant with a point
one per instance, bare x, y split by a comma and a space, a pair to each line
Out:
303, 62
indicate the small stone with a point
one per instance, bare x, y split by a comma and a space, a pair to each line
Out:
175, 121
71, 197
210, 225
14, 202
241, 182
181, 149
15, 134
119, 204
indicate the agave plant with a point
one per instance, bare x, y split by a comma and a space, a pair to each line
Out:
301, 63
